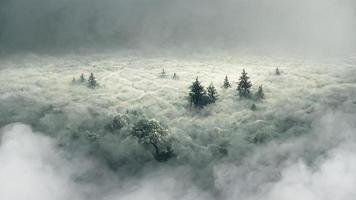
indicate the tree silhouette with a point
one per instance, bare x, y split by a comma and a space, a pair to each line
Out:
82, 79
244, 85
226, 83
212, 93
260, 94
92, 82
163, 74
197, 95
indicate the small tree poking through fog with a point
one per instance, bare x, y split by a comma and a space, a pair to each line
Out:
244, 85
175, 76
277, 72
82, 79
163, 74
260, 94
197, 95
92, 82
151, 134
212, 93
226, 83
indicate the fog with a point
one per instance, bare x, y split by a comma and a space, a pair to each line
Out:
59, 139
189, 25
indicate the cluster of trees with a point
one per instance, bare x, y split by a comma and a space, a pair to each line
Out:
199, 97
91, 82
163, 74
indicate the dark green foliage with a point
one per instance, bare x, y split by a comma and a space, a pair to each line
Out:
197, 95
277, 72
226, 83
163, 74
119, 122
260, 94
152, 134
82, 79
244, 85
212, 93
92, 82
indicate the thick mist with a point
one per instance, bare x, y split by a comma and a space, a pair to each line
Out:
63, 138
191, 25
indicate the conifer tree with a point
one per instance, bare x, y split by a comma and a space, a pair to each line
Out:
260, 94
277, 71
212, 93
244, 85
163, 74
197, 95
226, 83
92, 82
175, 76
82, 79
73, 80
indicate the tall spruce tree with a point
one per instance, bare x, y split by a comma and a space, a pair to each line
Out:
244, 85
226, 83
212, 93
92, 82
197, 95
277, 71
260, 94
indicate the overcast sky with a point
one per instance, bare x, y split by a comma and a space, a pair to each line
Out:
317, 24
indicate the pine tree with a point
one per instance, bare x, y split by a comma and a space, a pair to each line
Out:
73, 80
163, 74
92, 82
175, 76
244, 85
82, 79
260, 94
197, 95
212, 93
277, 71
226, 83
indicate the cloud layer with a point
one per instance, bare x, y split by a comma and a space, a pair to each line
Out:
306, 124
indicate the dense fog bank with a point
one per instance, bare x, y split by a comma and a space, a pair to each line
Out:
300, 139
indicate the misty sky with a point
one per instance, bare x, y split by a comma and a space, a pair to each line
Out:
304, 24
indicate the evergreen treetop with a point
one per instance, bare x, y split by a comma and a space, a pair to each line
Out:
175, 76
212, 93
91, 81
197, 95
226, 83
82, 79
277, 71
244, 85
260, 94
163, 74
